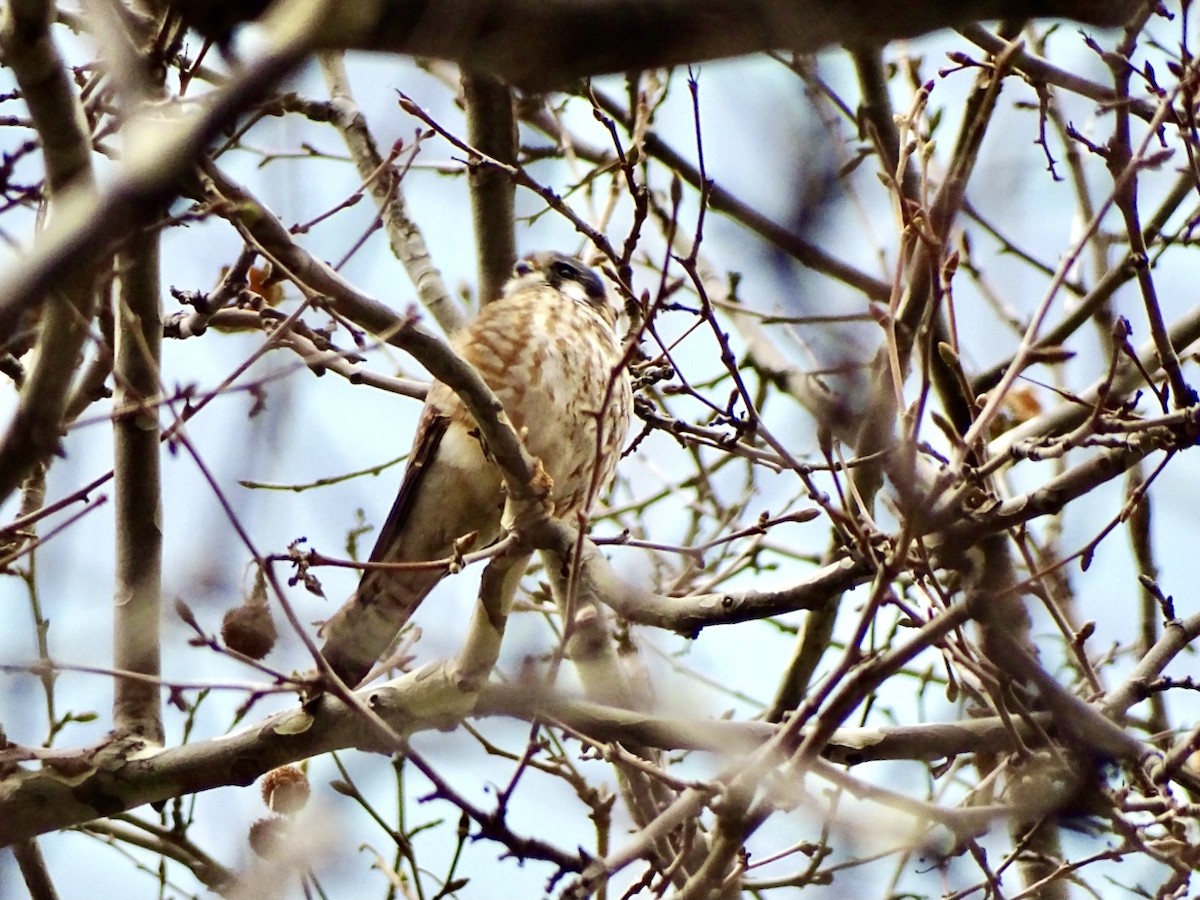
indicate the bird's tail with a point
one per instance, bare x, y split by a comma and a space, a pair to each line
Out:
359, 633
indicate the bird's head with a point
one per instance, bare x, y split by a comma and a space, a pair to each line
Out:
567, 275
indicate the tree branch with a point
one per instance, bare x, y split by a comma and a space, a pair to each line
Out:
538, 44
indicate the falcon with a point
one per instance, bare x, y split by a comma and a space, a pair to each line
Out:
548, 348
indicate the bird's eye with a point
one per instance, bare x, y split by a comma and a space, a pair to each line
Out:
564, 270
560, 271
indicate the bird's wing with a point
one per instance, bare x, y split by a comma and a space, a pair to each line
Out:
448, 491
425, 446
361, 630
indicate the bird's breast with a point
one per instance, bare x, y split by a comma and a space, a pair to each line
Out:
557, 367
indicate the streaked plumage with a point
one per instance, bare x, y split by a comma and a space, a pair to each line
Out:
548, 349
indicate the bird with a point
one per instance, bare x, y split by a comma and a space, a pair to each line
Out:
549, 350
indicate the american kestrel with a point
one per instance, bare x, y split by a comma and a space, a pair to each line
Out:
548, 348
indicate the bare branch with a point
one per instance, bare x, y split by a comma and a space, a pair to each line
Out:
538, 45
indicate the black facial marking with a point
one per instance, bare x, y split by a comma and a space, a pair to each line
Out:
567, 268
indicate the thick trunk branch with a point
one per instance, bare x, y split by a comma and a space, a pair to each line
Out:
549, 43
